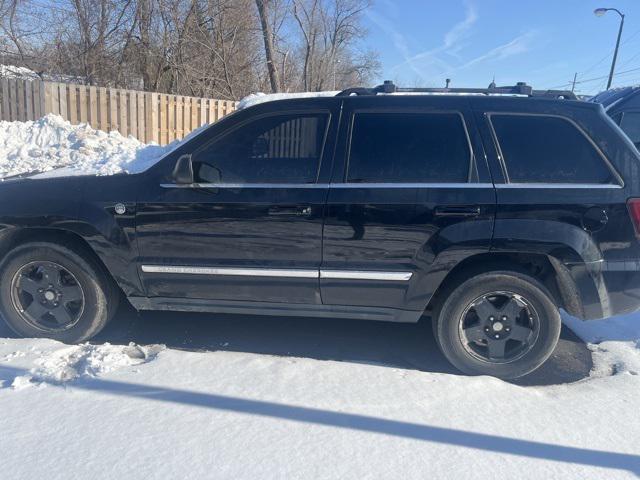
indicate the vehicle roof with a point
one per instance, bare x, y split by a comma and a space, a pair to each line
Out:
616, 96
482, 102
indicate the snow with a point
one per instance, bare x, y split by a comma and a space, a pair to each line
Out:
614, 342
24, 73
11, 71
257, 98
104, 411
51, 142
71, 363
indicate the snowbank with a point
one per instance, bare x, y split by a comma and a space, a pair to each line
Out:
51, 143
23, 73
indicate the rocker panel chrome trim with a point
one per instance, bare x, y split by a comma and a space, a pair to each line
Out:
275, 272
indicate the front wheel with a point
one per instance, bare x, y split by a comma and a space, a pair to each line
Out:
502, 324
48, 290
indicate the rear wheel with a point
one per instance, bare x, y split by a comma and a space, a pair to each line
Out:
502, 324
48, 290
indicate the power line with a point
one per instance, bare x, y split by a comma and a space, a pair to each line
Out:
631, 59
594, 79
610, 53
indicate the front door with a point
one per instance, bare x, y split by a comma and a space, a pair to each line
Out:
250, 227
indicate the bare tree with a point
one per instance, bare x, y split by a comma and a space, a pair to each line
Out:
267, 35
330, 29
214, 48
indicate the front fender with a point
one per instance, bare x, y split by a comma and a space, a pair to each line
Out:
112, 235
81, 206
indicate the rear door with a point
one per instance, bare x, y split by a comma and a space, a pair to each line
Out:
410, 197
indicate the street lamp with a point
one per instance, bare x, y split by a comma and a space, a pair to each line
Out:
599, 12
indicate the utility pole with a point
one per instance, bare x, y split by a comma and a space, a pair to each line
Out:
573, 85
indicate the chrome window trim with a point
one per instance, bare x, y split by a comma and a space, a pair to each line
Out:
589, 186
411, 185
278, 272
391, 185
245, 185
326, 185
572, 122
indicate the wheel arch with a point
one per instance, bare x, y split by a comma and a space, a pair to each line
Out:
546, 269
11, 238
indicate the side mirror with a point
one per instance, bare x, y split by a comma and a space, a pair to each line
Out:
183, 171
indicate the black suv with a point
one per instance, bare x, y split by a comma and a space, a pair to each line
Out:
489, 212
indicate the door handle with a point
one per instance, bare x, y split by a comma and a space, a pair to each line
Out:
457, 211
290, 211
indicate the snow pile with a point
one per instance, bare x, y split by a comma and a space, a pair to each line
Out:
86, 360
51, 143
614, 343
256, 98
23, 73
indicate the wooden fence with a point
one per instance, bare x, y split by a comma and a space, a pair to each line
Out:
156, 117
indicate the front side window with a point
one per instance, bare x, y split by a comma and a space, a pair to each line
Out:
408, 148
546, 149
276, 149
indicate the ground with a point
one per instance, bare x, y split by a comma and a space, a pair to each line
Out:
222, 396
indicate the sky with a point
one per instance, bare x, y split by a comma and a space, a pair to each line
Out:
543, 43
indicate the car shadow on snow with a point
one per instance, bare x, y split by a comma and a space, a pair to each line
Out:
363, 423
410, 346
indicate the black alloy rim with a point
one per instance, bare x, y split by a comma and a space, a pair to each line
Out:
499, 327
47, 296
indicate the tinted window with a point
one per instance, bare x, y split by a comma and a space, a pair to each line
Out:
275, 149
547, 150
630, 124
409, 147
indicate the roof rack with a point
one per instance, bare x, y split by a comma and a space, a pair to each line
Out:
521, 88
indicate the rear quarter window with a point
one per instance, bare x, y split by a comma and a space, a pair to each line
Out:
548, 149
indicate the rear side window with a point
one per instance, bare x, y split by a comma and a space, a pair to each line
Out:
546, 149
409, 148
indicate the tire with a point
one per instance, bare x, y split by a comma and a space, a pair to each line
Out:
500, 323
48, 290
